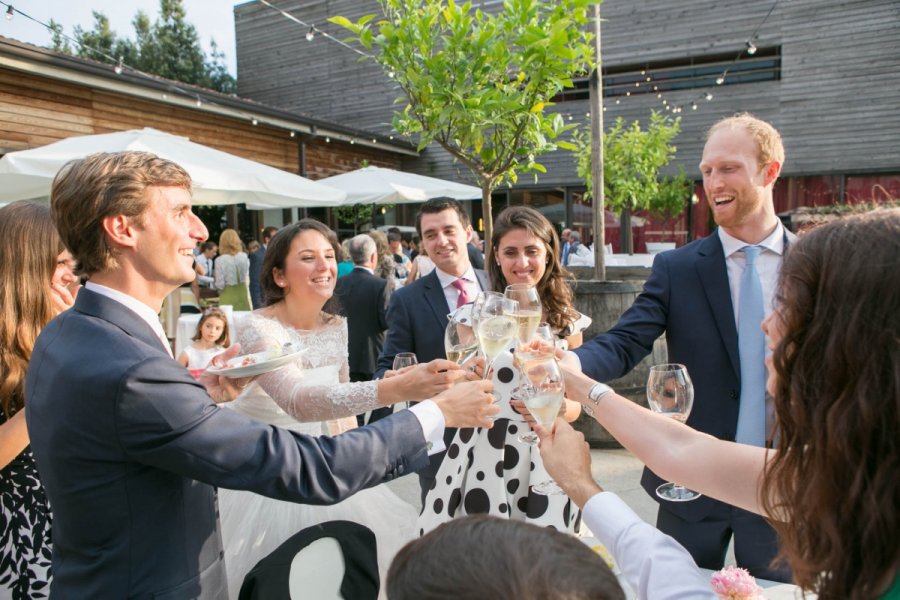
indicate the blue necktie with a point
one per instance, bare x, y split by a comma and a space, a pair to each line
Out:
751, 425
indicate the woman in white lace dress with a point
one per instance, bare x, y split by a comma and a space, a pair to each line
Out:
490, 470
312, 396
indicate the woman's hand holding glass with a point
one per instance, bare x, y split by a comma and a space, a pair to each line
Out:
542, 391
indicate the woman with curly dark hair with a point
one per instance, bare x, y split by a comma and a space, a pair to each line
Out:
831, 488
492, 471
525, 249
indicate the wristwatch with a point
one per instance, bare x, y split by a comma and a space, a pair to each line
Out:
597, 391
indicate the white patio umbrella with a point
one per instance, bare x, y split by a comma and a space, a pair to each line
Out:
218, 177
377, 185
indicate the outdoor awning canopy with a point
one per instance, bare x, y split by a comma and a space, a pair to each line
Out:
218, 177
377, 185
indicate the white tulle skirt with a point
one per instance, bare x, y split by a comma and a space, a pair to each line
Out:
253, 525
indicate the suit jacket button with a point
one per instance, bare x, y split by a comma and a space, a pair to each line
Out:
734, 395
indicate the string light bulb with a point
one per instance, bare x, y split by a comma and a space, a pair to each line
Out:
199, 102
751, 48
720, 80
708, 96
293, 134
118, 68
254, 121
10, 12
311, 34
693, 106
327, 140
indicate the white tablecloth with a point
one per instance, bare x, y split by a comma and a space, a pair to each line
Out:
187, 326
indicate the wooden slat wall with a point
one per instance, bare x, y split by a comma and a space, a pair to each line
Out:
836, 104
36, 110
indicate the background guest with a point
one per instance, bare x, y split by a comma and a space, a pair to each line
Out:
256, 260
385, 266
420, 267
36, 283
232, 271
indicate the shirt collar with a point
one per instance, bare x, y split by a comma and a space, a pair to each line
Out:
774, 242
142, 310
364, 268
446, 279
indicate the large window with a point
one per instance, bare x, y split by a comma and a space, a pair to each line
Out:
681, 74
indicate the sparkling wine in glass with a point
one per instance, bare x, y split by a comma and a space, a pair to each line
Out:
670, 392
530, 309
460, 343
542, 391
496, 327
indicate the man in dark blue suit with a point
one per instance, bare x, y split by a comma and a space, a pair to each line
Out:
417, 313
692, 296
129, 447
256, 262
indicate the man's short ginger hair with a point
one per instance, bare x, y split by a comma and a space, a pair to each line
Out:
88, 190
768, 140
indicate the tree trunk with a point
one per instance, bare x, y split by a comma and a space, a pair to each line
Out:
487, 216
625, 232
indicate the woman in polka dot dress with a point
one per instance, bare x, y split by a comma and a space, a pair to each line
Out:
491, 470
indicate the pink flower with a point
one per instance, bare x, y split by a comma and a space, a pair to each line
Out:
732, 583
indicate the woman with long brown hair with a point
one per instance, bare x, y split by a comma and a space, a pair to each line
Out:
36, 283
831, 488
524, 249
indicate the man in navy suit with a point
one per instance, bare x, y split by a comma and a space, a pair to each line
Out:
256, 262
417, 313
129, 447
692, 297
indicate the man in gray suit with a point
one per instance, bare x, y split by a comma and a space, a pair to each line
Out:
128, 445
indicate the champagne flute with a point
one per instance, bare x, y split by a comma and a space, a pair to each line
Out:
496, 327
530, 309
460, 343
543, 392
670, 392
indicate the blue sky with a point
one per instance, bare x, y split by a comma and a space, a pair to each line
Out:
214, 19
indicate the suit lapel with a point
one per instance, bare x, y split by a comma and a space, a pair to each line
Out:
97, 305
483, 280
713, 274
435, 298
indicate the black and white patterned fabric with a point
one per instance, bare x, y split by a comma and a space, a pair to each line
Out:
489, 471
25, 526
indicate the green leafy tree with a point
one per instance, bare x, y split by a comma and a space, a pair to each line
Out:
169, 47
632, 160
479, 84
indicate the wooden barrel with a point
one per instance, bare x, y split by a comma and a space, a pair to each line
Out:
604, 302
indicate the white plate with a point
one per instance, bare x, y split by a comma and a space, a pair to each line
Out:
263, 364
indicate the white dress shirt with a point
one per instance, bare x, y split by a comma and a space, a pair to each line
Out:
654, 565
768, 264
450, 291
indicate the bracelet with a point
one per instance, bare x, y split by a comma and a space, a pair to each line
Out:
595, 394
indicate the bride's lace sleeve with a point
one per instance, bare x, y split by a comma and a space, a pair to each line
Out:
315, 388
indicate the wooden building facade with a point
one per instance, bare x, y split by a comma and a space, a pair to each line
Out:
825, 72
46, 96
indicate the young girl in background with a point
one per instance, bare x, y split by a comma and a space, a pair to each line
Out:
210, 339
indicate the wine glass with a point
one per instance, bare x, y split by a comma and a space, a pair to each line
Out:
496, 327
530, 309
460, 343
542, 391
404, 359
671, 393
